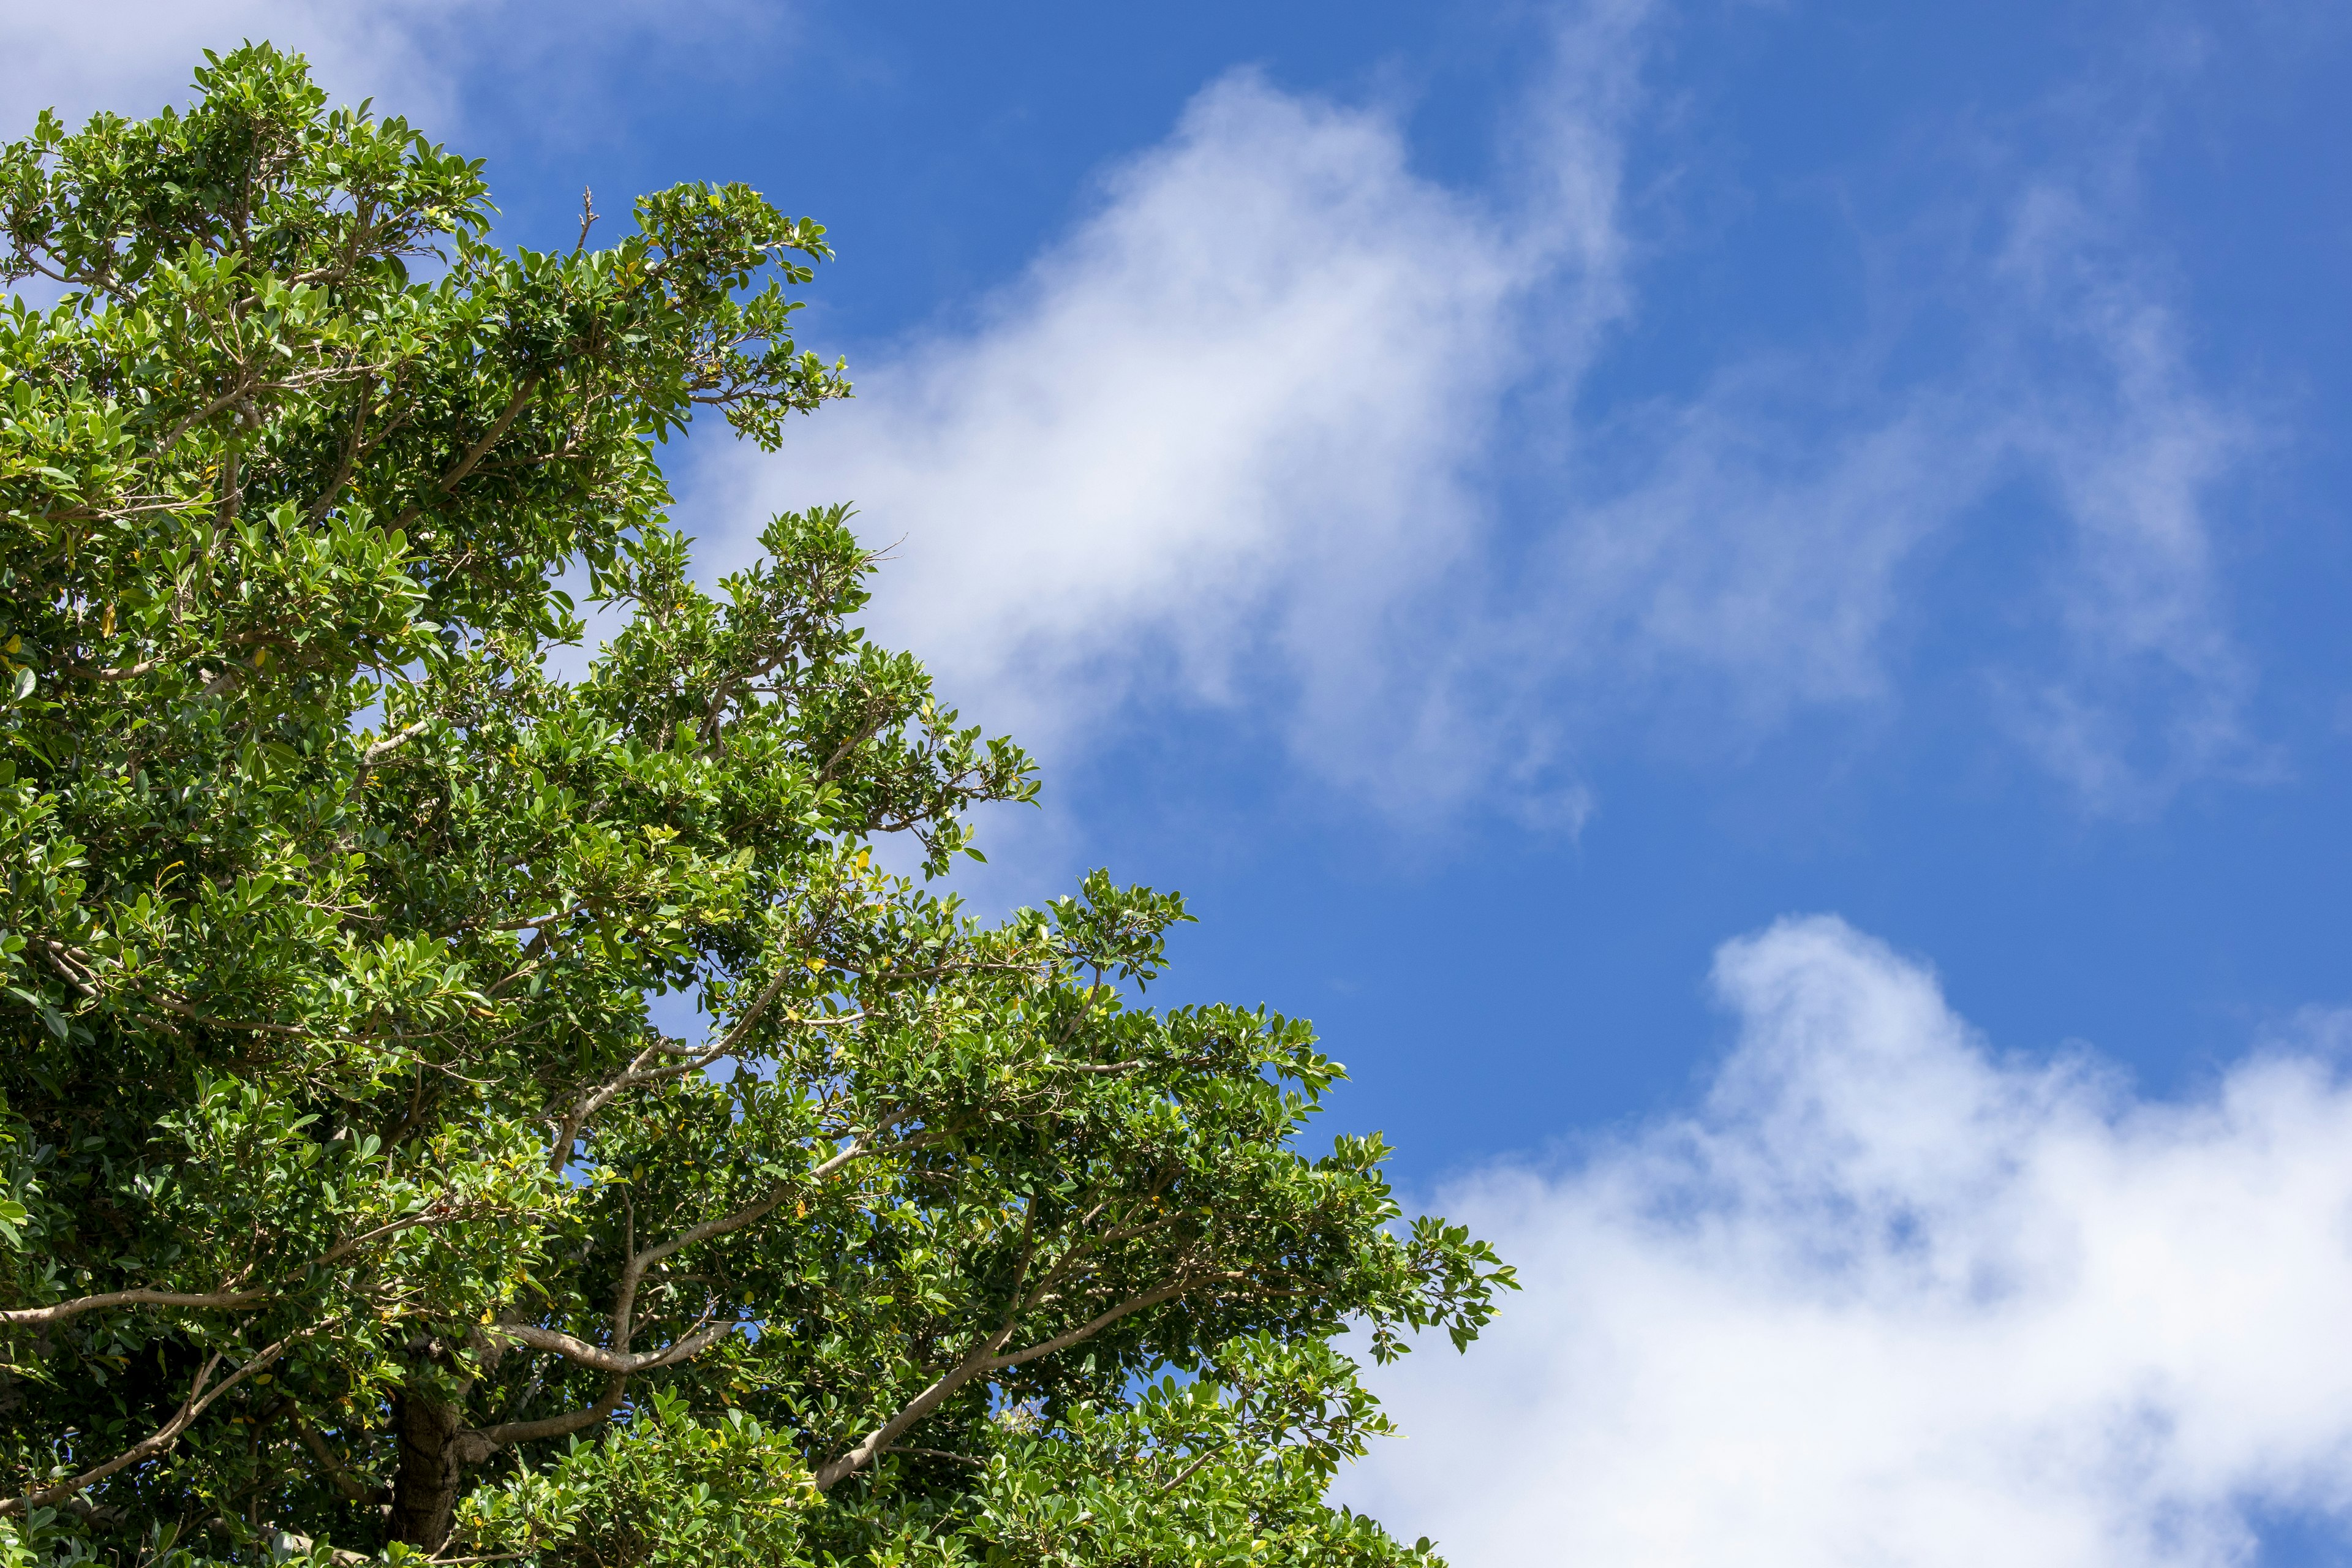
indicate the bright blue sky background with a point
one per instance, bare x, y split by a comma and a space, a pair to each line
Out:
1812, 183
1901, 475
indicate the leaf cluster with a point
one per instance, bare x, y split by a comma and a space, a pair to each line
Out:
352, 1202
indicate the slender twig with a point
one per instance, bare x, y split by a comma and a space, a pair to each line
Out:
214, 1300
620, 1364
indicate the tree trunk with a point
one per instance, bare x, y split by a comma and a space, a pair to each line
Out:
425, 1489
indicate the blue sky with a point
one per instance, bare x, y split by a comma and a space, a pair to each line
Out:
1498, 502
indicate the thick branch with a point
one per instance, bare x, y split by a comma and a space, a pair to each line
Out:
28, 1317
392, 742
564, 1425
339, 1473
620, 1363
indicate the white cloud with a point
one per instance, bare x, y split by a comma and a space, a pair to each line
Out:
1213, 441
416, 57
2155, 685
1224, 443
133, 56
1890, 1300
1235, 441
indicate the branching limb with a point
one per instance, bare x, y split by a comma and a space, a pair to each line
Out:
638, 1072
214, 1300
619, 1363
125, 672
475, 452
1087, 1331
156, 1442
392, 742
479, 1445
345, 465
835, 1471
340, 1474
984, 1358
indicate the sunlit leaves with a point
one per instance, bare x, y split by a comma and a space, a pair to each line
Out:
329, 919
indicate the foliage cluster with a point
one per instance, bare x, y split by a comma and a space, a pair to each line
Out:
351, 1205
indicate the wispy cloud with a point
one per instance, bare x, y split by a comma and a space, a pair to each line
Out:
2152, 684
416, 57
1890, 1298
134, 56
1224, 441
1287, 428
1215, 442
1239, 438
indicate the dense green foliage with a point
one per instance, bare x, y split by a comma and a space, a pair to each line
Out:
352, 1204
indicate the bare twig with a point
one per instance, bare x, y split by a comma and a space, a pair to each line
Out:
125, 672
619, 1363
213, 1301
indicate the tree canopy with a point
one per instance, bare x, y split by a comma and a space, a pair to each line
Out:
355, 1204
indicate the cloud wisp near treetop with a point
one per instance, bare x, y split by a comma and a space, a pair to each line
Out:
354, 1204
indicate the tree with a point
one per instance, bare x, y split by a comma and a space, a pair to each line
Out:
354, 1204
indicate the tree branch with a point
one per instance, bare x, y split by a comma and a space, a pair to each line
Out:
392, 742
343, 467
212, 1301
126, 672
154, 1443
1089, 1330
620, 1363
351, 1486
588, 1105
475, 452
982, 1359
564, 1425
835, 1471
29, 1317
